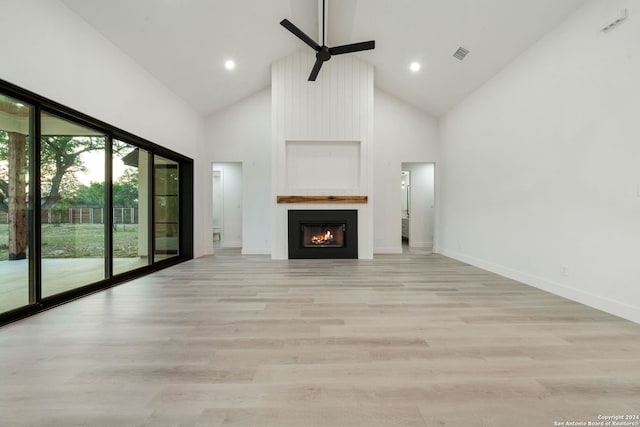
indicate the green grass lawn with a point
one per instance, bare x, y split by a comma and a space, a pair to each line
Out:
79, 241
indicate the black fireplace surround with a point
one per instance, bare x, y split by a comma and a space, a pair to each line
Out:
317, 234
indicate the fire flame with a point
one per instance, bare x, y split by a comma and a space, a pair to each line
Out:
320, 239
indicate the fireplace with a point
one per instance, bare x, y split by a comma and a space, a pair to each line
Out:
323, 234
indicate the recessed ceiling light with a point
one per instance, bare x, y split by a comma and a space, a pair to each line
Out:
414, 66
229, 64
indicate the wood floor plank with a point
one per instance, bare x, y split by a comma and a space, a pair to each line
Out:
401, 340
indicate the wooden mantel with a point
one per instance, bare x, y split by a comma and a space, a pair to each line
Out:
322, 199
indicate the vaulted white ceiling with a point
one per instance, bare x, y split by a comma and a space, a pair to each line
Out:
184, 43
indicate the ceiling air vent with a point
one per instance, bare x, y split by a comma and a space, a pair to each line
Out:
460, 53
611, 25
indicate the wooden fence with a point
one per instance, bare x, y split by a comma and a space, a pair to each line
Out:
82, 215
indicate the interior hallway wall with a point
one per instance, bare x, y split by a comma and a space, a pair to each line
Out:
403, 134
242, 133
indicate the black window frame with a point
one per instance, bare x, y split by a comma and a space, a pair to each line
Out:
41, 105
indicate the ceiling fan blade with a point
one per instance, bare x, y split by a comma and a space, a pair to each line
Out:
301, 35
354, 47
315, 70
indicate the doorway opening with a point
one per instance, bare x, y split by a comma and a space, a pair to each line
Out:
405, 198
417, 187
227, 205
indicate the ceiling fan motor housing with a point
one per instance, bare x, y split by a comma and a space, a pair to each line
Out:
323, 54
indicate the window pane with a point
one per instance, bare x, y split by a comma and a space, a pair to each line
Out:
14, 210
166, 208
130, 207
72, 191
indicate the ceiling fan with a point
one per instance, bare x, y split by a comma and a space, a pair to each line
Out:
324, 53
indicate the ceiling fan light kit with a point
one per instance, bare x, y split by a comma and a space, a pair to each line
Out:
324, 53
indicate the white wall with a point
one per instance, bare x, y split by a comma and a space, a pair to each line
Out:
62, 58
242, 133
403, 134
541, 165
232, 212
337, 107
51, 51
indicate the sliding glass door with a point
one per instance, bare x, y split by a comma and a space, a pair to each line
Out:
72, 201
130, 207
83, 205
166, 208
15, 130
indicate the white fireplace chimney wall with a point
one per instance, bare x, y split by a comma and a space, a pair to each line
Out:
333, 115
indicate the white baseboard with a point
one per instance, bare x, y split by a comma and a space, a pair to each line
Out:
599, 302
226, 244
387, 250
256, 251
413, 244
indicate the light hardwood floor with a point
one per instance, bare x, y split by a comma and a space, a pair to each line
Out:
403, 340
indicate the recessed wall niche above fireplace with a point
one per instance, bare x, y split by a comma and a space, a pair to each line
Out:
323, 234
